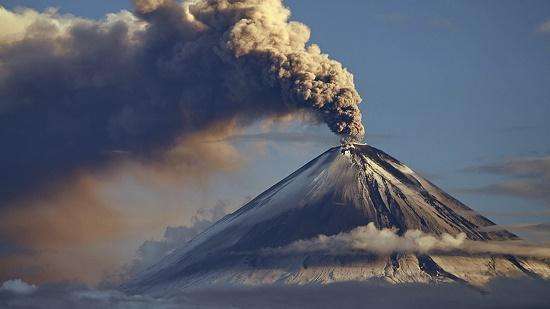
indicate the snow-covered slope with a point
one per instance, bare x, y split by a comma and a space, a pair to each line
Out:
342, 189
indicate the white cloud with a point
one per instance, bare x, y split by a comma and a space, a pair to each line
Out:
17, 286
386, 241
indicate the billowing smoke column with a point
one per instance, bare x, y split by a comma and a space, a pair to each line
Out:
73, 91
254, 41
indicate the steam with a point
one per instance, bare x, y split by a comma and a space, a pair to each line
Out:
73, 91
386, 241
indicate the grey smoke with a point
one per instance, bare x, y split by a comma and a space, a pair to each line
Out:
73, 91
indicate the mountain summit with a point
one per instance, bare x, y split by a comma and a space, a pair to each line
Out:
344, 188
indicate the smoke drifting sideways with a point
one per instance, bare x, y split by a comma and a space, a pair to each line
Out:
74, 91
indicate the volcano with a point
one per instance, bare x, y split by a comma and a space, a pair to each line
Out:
344, 188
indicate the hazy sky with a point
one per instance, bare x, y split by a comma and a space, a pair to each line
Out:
458, 90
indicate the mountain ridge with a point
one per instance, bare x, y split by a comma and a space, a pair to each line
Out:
341, 189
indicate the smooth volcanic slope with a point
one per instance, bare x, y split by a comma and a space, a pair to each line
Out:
343, 188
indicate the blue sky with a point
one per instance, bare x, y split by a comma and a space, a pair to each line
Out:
448, 85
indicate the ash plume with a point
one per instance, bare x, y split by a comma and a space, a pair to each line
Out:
73, 91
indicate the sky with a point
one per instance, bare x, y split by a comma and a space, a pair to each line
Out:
457, 90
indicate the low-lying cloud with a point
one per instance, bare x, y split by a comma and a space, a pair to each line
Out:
503, 293
17, 286
386, 241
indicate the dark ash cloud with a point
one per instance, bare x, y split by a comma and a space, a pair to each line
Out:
75, 91
82, 99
